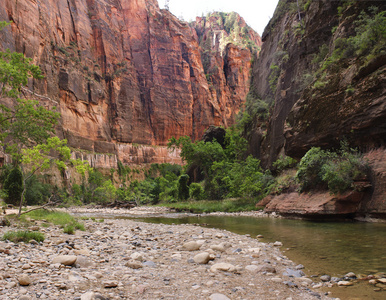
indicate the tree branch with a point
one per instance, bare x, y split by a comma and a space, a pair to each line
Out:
41, 207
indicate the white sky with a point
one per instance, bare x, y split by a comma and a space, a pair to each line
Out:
256, 13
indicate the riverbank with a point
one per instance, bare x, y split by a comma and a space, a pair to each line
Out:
126, 259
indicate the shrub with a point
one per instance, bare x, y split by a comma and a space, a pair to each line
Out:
13, 185
196, 191
23, 236
69, 229
183, 189
336, 171
309, 170
36, 191
284, 162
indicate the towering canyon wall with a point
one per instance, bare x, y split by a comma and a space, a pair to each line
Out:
322, 69
125, 75
324, 86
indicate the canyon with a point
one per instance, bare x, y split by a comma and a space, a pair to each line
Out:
127, 76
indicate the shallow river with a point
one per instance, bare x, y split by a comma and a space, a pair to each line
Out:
322, 247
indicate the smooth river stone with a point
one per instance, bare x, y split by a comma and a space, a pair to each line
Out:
24, 280
67, 260
202, 258
191, 246
218, 297
223, 267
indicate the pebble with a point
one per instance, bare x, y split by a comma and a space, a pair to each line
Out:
325, 278
110, 284
125, 259
223, 267
191, 246
278, 244
252, 268
293, 273
67, 260
344, 283
24, 280
218, 297
133, 264
202, 258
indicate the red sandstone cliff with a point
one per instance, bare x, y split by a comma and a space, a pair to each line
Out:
124, 71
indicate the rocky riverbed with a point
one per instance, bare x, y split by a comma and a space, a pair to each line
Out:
125, 259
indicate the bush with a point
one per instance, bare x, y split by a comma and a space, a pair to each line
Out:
13, 186
335, 171
309, 170
69, 229
23, 236
36, 191
183, 189
196, 191
283, 163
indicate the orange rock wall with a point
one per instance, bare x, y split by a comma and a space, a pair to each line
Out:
123, 72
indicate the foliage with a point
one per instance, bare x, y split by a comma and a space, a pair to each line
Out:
273, 77
183, 189
105, 193
226, 170
283, 163
23, 236
254, 108
196, 191
13, 186
69, 229
55, 217
39, 157
368, 41
335, 170
36, 191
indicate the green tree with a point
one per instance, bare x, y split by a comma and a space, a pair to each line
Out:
39, 158
13, 186
183, 188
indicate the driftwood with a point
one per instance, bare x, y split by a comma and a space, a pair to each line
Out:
121, 204
49, 203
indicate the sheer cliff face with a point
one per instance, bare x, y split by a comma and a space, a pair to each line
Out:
124, 71
324, 77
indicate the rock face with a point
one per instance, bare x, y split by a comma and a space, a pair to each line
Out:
322, 86
126, 72
316, 204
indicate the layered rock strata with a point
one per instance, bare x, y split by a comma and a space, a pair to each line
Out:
123, 72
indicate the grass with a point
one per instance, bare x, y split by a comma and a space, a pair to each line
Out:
61, 219
207, 206
23, 236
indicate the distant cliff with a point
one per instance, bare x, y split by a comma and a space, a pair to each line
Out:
125, 72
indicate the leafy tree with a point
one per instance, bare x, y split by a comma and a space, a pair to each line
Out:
39, 158
13, 185
105, 193
183, 189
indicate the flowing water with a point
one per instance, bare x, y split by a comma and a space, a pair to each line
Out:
322, 247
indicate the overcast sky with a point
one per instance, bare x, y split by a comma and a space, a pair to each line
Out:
256, 13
